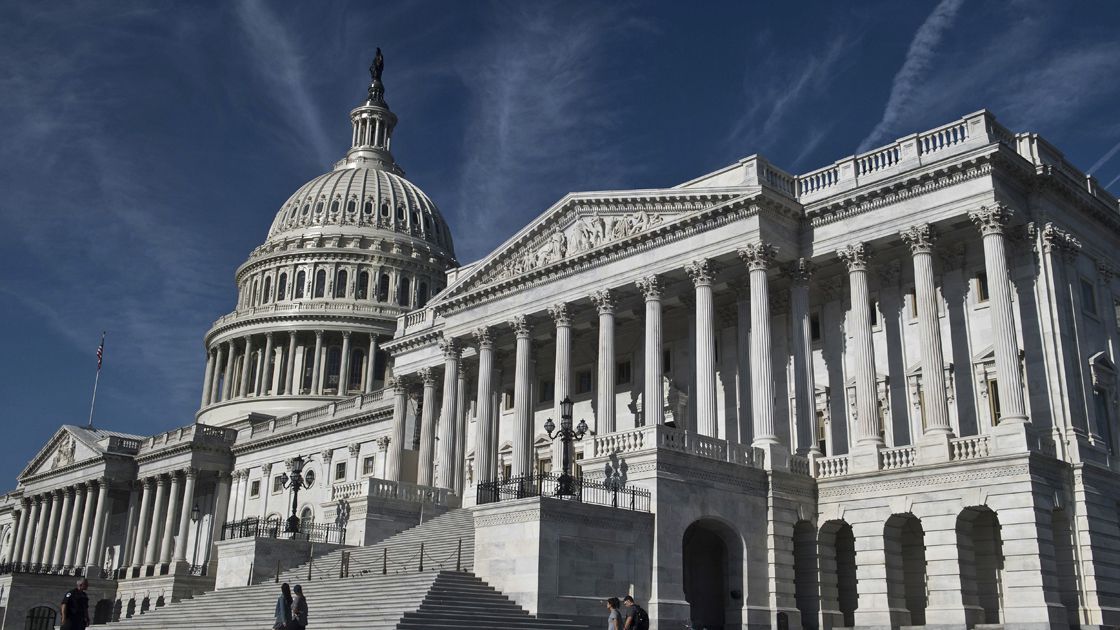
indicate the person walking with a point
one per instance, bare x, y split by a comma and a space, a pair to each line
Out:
614, 615
283, 608
75, 607
636, 617
299, 609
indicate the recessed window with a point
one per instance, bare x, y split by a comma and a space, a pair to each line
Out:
544, 466
351, 206
277, 484
309, 478
282, 287
873, 307
368, 465
255, 488
815, 328
363, 286
993, 401
507, 400
340, 471
912, 303
980, 282
622, 373
267, 290
403, 292
666, 361
334, 206
301, 280
383, 288
547, 391
422, 295
1088, 297
320, 283
340, 283
583, 381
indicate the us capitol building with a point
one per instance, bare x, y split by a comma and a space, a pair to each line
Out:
879, 394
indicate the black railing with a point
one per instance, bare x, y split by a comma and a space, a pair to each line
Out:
575, 489
275, 528
19, 567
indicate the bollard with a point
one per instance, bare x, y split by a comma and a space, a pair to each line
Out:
384, 560
309, 563
421, 556
459, 556
277, 572
249, 582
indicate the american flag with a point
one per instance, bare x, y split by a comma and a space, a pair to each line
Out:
100, 351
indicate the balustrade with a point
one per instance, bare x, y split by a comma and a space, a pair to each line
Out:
829, 467
896, 458
966, 448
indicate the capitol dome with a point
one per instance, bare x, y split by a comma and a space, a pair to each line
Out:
347, 254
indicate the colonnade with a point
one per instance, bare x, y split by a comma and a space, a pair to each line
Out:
61, 529
269, 369
759, 259
162, 522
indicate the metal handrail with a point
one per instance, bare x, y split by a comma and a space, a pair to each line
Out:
275, 528
549, 485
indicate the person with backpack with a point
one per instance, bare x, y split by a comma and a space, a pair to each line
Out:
636, 616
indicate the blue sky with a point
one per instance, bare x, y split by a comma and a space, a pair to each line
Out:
145, 147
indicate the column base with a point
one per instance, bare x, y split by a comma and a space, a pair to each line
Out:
776, 455
864, 458
1012, 436
934, 448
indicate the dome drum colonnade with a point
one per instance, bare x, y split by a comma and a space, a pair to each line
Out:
759, 259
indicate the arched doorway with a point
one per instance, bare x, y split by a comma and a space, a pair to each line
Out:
41, 618
905, 551
980, 549
805, 574
103, 611
839, 586
713, 576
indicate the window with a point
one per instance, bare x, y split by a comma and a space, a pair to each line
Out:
357, 365
422, 295
363, 285
255, 488
267, 289
334, 206
301, 280
980, 281
544, 466
340, 471
507, 400
666, 361
351, 206
309, 478
320, 283
367, 208
815, 328
400, 214
583, 382
822, 433
402, 292
1088, 298
340, 283
334, 366
507, 472
993, 401
253, 297
912, 303
282, 287
383, 288
622, 373
368, 465
547, 391
873, 309
277, 484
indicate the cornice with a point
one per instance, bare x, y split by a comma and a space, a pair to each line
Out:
426, 337
359, 419
836, 488
301, 321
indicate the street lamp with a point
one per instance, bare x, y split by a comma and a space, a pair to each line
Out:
566, 435
196, 518
295, 483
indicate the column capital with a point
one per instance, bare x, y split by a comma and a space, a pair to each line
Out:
920, 238
450, 348
559, 314
520, 326
354, 448
604, 301
267, 470
991, 219
68, 491
346, 334
326, 455
427, 377
268, 335
651, 287
800, 271
396, 384
190, 472
483, 337
856, 256
758, 256
319, 334
700, 271
1057, 240
383, 443
373, 337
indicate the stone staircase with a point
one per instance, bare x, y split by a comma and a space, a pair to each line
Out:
402, 598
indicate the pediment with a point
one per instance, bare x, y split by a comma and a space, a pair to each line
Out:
65, 447
582, 225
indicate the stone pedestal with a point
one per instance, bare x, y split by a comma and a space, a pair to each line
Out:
934, 448
864, 458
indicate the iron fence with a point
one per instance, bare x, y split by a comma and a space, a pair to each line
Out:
572, 489
276, 528
20, 567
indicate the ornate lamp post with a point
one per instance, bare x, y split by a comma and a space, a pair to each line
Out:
196, 518
566, 435
295, 483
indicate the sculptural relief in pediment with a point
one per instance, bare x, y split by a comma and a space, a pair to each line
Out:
64, 452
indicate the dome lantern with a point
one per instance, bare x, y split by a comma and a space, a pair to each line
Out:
373, 123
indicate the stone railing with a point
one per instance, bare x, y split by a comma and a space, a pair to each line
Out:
416, 321
668, 438
835, 466
896, 458
317, 305
129, 446
971, 447
375, 488
799, 465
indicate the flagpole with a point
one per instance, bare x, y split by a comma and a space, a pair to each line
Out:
96, 378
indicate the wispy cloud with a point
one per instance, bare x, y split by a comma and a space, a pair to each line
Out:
280, 63
919, 58
1103, 159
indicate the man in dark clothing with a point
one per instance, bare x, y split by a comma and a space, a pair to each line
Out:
75, 608
636, 617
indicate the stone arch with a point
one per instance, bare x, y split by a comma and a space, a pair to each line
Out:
905, 550
41, 617
805, 571
839, 588
712, 572
980, 549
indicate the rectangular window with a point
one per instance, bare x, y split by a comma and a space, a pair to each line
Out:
277, 484
815, 327
544, 466
584, 381
666, 361
622, 373
547, 391
822, 434
340, 471
912, 303
993, 401
255, 488
981, 283
507, 472
368, 465
507, 400
1088, 298
874, 309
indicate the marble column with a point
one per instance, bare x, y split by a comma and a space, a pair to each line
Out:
445, 474
653, 399
93, 554
562, 374
76, 522
920, 238
190, 475
61, 522
142, 523
743, 353
701, 273
157, 510
344, 366
522, 398
227, 379
427, 428
246, 367
207, 379
264, 382
396, 440
79, 557
169, 520
867, 429
371, 363
485, 463
991, 220
219, 512
50, 540
604, 395
19, 530
290, 388
460, 456
38, 523
800, 271
758, 257
316, 371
